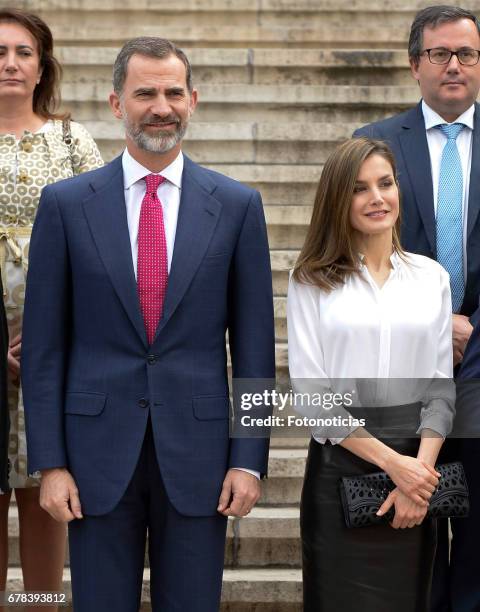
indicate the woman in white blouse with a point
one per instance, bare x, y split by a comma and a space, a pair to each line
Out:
359, 308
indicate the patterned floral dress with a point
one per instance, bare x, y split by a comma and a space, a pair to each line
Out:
26, 166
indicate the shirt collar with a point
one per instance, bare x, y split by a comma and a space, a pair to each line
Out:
395, 260
432, 118
134, 172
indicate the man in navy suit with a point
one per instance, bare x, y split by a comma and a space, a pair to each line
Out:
444, 58
137, 271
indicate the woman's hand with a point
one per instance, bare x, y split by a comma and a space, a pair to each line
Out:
415, 478
13, 357
407, 513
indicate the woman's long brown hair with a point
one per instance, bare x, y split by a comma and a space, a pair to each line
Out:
329, 255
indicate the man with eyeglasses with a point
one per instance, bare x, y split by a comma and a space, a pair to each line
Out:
437, 149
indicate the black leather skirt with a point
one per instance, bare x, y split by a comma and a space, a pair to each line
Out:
367, 569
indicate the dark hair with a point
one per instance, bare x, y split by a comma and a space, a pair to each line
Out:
149, 46
46, 97
329, 253
431, 17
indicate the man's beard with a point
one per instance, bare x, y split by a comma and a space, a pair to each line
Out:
163, 141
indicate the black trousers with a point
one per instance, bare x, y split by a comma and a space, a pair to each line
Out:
456, 581
365, 569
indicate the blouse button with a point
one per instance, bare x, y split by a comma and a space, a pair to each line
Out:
27, 146
22, 176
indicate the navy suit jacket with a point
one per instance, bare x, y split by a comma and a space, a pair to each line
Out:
405, 133
89, 377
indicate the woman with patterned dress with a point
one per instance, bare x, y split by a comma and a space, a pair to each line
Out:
37, 147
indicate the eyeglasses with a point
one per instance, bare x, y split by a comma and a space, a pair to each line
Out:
465, 56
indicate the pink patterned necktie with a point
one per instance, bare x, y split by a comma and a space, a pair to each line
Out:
152, 262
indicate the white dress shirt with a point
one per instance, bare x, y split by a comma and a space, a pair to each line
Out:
359, 331
436, 140
169, 192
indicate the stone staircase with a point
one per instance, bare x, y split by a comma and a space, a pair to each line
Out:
280, 82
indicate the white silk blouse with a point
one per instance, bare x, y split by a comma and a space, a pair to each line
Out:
398, 336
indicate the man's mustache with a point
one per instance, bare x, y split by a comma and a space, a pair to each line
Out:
154, 120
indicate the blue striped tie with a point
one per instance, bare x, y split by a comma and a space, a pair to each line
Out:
450, 213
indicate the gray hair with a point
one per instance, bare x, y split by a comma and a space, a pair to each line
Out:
149, 46
431, 17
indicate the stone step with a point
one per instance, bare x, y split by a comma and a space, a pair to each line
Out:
271, 173
267, 537
288, 215
256, 66
240, 142
346, 95
286, 463
240, 131
262, 590
279, 184
286, 237
266, 23
368, 7
275, 111
292, 443
252, 590
94, 31
281, 354
287, 227
282, 262
280, 308
276, 104
81, 58
240, 152
285, 476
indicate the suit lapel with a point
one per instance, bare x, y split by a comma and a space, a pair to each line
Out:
413, 141
197, 218
474, 185
106, 215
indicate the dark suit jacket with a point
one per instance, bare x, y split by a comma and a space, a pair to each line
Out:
89, 377
405, 133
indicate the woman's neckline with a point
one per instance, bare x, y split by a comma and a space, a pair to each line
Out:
45, 127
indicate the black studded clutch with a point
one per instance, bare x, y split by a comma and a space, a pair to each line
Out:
363, 495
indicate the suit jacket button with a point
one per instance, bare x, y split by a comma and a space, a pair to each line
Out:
143, 403
151, 359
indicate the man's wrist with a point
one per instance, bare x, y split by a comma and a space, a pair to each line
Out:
252, 472
46, 471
